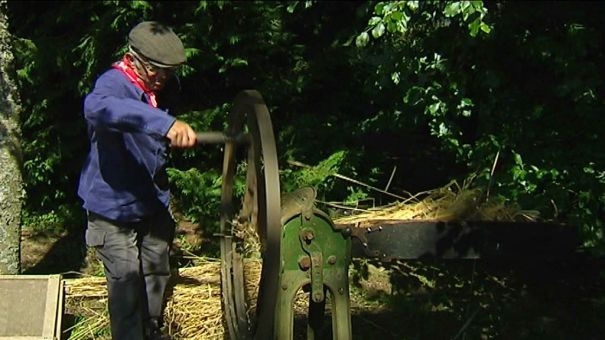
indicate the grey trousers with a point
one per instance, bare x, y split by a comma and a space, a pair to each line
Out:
135, 257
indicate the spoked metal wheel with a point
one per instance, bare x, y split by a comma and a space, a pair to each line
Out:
251, 135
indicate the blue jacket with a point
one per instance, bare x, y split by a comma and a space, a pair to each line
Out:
124, 176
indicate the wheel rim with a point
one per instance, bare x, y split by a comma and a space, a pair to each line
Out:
261, 206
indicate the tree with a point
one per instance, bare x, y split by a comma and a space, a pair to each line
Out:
11, 184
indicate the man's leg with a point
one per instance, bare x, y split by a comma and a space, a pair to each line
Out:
116, 245
155, 263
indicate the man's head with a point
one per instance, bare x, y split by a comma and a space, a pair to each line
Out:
154, 51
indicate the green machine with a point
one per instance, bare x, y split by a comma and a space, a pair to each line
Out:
303, 251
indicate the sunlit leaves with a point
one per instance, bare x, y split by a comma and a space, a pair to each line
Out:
396, 16
452, 9
468, 10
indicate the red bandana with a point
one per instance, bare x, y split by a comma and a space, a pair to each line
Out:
134, 78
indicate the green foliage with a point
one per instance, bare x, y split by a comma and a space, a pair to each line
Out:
64, 217
397, 17
510, 92
198, 192
318, 176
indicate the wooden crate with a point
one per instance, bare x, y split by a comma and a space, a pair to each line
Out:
31, 307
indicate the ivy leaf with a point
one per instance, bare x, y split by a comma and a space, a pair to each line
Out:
374, 21
291, 7
379, 8
433, 108
413, 5
518, 159
452, 9
464, 102
362, 39
378, 31
474, 27
443, 130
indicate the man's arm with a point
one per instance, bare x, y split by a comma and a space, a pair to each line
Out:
105, 107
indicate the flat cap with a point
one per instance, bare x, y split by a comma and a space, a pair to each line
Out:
158, 43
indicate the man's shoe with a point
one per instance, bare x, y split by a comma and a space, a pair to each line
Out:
154, 331
158, 335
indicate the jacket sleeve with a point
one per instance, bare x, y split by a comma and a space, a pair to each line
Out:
111, 106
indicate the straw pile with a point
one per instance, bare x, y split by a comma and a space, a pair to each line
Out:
193, 308
193, 303
87, 299
449, 203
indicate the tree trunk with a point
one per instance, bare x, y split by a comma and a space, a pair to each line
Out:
11, 182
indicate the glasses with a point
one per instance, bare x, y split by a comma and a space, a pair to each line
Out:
153, 70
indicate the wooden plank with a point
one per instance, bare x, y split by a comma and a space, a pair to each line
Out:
50, 312
30, 306
59, 311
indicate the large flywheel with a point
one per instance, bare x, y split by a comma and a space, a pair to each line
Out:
250, 153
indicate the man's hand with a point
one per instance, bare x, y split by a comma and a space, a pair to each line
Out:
181, 135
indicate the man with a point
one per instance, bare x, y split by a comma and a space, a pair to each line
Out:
124, 184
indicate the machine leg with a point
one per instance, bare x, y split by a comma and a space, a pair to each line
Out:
341, 316
316, 317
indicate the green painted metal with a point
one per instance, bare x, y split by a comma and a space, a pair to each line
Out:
316, 256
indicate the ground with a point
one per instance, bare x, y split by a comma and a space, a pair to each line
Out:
416, 299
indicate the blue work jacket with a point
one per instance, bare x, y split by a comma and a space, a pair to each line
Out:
124, 175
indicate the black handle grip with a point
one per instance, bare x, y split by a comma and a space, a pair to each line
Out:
212, 137
216, 137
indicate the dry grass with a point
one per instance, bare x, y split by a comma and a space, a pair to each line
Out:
193, 304
451, 202
86, 298
193, 309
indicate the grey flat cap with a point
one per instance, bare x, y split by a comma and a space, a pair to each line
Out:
158, 43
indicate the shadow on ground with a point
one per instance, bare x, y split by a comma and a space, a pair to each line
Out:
44, 253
